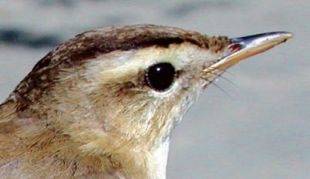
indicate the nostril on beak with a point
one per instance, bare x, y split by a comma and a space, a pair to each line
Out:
234, 47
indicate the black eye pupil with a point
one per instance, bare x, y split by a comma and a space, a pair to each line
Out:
160, 76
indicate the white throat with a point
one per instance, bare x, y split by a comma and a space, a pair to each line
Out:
158, 161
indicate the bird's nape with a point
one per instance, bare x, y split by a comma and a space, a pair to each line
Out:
103, 104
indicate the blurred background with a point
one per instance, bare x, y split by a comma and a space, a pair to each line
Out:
256, 125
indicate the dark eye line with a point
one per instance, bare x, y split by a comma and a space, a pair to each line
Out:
141, 81
178, 73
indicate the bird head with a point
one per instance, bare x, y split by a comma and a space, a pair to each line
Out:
123, 89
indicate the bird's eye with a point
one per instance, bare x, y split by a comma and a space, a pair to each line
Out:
160, 76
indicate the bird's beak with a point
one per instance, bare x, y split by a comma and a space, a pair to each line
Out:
244, 47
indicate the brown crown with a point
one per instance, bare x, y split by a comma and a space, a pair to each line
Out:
88, 45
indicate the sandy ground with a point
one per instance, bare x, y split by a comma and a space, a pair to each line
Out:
258, 128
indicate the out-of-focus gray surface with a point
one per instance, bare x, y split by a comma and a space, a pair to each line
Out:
261, 129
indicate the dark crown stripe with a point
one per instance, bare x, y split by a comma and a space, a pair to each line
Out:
91, 44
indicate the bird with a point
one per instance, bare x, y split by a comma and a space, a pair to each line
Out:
104, 103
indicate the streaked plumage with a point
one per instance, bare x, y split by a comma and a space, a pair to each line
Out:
86, 111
